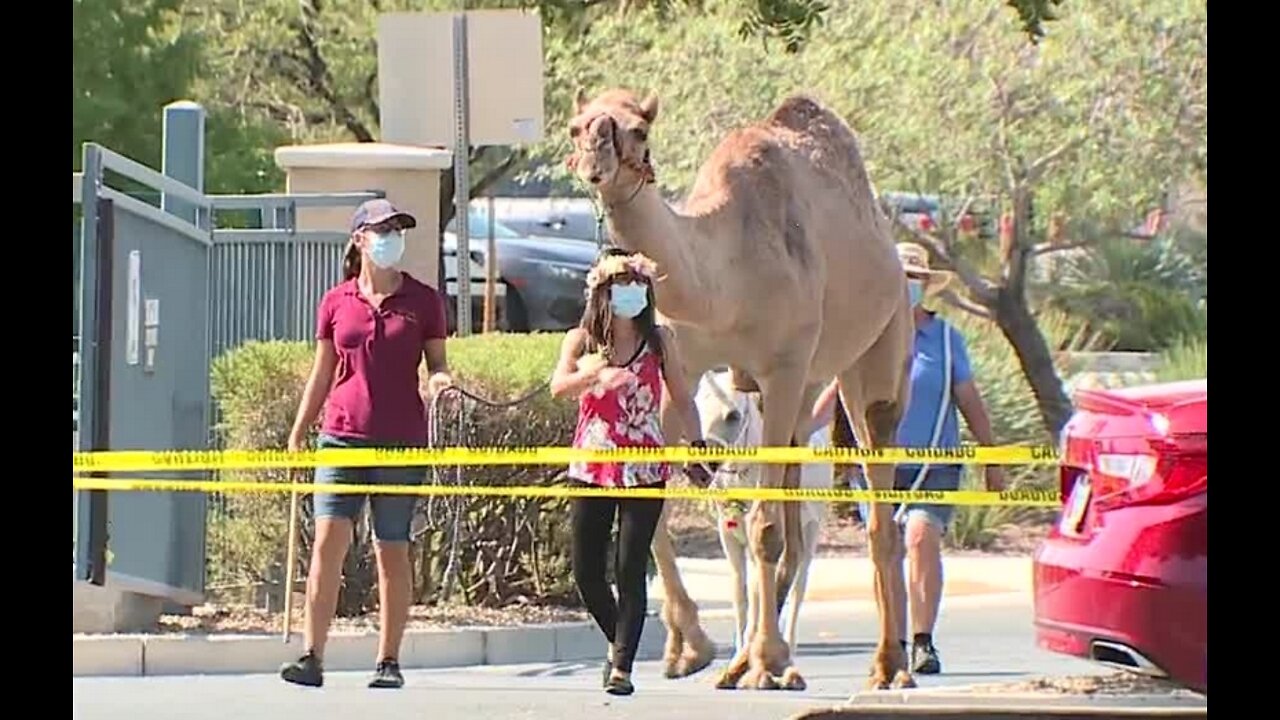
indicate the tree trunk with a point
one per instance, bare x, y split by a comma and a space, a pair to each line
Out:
1020, 329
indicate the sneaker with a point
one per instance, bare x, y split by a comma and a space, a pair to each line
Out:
619, 686
387, 675
924, 658
306, 670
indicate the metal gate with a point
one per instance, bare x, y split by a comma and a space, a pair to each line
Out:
161, 292
143, 357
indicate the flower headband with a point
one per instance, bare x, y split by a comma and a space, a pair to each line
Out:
635, 264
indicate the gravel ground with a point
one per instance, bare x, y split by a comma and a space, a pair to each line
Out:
693, 530
691, 524
208, 619
1118, 683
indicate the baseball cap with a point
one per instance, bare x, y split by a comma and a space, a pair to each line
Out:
373, 212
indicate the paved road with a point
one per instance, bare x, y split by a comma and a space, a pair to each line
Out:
981, 639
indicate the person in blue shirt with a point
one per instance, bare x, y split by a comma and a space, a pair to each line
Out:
931, 420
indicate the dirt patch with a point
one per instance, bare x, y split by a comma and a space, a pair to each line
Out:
211, 619
693, 531
1118, 683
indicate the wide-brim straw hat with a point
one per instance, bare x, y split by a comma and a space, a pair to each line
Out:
915, 262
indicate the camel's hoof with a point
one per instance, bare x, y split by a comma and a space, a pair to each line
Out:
791, 679
877, 681
692, 664
902, 680
669, 670
728, 679
758, 679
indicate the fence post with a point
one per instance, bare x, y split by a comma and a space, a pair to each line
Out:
183, 154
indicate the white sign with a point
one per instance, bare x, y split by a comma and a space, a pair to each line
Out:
505, 70
133, 307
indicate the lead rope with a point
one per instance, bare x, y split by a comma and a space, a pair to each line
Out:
445, 510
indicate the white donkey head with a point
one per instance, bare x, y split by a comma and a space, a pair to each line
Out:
730, 418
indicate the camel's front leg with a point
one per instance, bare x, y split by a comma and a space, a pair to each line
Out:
767, 661
793, 544
877, 429
688, 649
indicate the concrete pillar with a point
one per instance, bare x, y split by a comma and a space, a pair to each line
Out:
410, 177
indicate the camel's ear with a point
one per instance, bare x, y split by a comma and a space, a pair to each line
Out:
649, 108
580, 99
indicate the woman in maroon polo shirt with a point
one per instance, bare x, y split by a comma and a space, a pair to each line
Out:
372, 331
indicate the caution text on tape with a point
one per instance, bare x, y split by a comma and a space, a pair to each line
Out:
162, 460
1018, 498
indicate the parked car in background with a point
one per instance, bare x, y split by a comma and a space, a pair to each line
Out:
541, 281
561, 217
924, 212
1122, 579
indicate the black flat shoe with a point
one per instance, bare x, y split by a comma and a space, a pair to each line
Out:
619, 686
306, 670
387, 675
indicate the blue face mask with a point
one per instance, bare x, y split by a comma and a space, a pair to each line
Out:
915, 288
386, 249
628, 300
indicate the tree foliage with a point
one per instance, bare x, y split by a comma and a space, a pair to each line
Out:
1094, 126
128, 60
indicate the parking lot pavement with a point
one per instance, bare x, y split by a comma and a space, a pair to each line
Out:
981, 640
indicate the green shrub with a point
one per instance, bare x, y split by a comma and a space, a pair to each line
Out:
1015, 418
1186, 360
256, 389
509, 550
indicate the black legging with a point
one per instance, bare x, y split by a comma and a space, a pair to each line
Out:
622, 620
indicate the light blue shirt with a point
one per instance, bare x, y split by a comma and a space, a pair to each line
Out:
916, 427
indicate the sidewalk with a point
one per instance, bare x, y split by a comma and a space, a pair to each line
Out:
833, 579
836, 585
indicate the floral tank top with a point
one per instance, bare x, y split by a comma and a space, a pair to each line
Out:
627, 416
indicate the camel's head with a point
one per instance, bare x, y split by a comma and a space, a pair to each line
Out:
610, 136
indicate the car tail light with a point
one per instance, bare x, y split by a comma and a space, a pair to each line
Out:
1168, 469
926, 223
967, 224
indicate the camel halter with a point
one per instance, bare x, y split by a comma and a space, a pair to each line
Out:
644, 168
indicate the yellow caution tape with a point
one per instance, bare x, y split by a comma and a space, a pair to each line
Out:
161, 460
1017, 498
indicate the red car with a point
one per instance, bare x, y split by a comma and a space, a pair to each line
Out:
1122, 578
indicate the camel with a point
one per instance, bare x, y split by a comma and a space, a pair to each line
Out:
732, 418
779, 264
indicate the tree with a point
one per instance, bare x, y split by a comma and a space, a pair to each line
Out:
128, 60
1092, 125
1103, 124
309, 66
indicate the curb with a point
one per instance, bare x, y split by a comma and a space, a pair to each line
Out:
960, 711
963, 702
155, 655
951, 697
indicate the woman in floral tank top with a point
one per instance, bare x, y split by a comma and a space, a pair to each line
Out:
616, 361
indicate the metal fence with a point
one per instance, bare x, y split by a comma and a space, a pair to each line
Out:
267, 280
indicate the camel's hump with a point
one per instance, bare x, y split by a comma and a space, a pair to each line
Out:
800, 113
